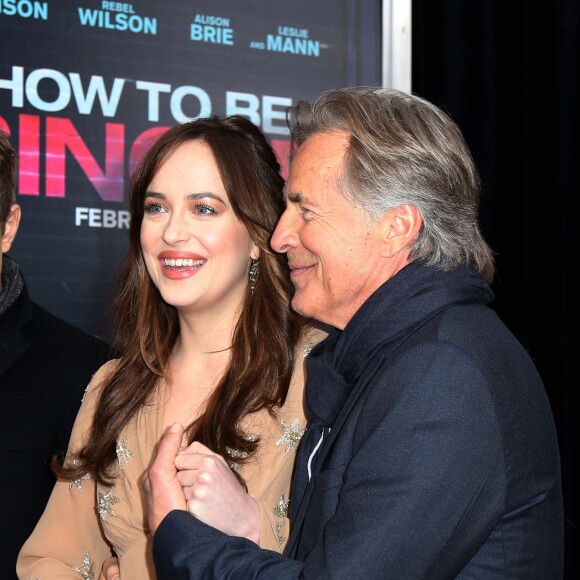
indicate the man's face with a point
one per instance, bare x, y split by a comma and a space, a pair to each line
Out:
333, 247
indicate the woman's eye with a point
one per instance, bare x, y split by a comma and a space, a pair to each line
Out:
204, 209
307, 214
153, 208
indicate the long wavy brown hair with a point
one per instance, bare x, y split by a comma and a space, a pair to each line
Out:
266, 334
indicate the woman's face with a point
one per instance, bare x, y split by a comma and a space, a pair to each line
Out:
195, 249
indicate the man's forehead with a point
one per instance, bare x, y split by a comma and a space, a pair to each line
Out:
320, 158
326, 145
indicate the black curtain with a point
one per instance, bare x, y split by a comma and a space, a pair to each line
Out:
507, 72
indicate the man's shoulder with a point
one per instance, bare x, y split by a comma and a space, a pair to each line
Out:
50, 328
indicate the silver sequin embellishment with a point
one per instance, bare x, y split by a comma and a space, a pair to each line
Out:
280, 538
236, 454
123, 454
78, 482
281, 508
311, 344
106, 502
291, 435
86, 570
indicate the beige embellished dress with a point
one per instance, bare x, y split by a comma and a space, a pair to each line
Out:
83, 522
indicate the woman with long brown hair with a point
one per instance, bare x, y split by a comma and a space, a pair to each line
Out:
207, 338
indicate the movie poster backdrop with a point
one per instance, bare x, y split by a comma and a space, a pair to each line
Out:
86, 86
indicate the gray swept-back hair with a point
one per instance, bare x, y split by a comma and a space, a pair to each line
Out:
405, 150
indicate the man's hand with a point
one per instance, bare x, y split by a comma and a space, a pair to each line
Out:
214, 495
163, 491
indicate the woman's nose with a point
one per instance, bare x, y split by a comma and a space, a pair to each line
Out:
176, 231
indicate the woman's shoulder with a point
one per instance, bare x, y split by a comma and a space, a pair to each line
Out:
313, 332
100, 378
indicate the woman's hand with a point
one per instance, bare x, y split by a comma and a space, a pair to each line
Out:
110, 569
163, 492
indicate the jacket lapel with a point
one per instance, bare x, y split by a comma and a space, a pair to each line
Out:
12, 343
328, 445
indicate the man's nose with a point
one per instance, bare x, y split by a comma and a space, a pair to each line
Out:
284, 236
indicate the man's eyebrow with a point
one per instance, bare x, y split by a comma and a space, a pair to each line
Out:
295, 197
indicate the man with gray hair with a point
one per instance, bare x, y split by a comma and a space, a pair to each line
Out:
431, 450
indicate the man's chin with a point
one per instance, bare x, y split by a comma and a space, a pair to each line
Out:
300, 307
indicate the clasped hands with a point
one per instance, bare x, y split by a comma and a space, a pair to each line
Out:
199, 481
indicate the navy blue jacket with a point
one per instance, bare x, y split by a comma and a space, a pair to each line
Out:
441, 460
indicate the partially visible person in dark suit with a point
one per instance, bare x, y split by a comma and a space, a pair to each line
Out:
431, 450
45, 366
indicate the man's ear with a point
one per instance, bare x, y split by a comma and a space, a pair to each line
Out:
401, 225
11, 227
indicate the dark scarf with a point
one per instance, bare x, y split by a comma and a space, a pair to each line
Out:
12, 283
393, 312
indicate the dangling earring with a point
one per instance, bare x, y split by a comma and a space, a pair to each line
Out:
253, 274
